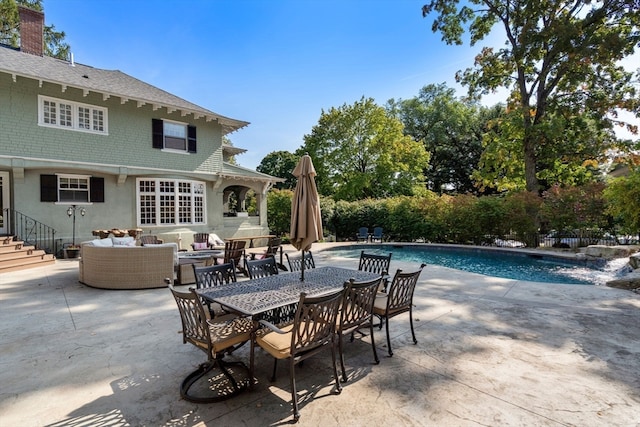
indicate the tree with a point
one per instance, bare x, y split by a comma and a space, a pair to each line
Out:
561, 60
360, 151
451, 130
279, 211
54, 44
623, 201
280, 164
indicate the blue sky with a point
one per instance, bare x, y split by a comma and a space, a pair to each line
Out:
276, 64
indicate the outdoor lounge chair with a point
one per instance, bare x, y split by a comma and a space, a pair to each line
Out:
398, 300
215, 337
234, 251
206, 241
274, 249
363, 234
150, 239
356, 313
312, 331
377, 235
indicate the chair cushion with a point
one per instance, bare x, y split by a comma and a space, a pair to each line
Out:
229, 330
277, 345
107, 242
215, 240
380, 304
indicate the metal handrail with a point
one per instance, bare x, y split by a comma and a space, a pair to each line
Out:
31, 231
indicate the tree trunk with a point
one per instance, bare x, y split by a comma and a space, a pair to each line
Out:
530, 163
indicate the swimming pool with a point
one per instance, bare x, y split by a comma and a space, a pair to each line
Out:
506, 264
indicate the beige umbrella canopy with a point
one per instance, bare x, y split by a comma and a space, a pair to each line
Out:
306, 221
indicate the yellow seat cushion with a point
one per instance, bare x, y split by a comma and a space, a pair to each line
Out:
380, 304
229, 330
277, 345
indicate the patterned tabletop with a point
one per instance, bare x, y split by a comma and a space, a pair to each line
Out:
256, 296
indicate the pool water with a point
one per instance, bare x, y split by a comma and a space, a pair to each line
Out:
491, 263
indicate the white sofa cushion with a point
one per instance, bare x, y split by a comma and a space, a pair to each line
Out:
123, 241
107, 243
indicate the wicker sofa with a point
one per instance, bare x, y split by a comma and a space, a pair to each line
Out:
126, 267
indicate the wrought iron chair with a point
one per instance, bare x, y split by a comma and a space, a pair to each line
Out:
377, 235
261, 267
312, 331
211, 276
356, 313
150, 239
398, 300
215, 337
295, 263
376, 264
362, 235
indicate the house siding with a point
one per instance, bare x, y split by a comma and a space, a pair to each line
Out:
28, 150
127, 144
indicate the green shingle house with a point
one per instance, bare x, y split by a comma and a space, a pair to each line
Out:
132, 155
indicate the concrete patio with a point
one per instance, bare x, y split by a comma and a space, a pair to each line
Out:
490, 352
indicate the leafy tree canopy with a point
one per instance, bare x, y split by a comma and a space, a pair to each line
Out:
54, 44
360, 151
561, 62
280, 164
451, 130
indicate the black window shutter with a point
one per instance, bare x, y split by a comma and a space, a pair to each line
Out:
157, 129
191, 139
96, 189
48, 188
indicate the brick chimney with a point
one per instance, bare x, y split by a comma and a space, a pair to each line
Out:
31, 31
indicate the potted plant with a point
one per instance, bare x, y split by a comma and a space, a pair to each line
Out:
71, 251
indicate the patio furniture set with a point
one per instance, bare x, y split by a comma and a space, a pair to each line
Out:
115, 262
287, 317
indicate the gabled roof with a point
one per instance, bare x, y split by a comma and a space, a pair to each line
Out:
109, 83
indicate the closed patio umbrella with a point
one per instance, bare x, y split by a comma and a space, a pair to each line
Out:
306, 221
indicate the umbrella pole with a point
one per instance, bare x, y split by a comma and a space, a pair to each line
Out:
302, 268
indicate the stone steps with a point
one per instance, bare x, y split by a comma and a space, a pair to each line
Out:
15, 255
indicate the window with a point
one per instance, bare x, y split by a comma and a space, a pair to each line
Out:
170, 202
173, 136
71, 115
73, 189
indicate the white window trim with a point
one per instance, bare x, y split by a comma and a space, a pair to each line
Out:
175, 194
74, 202
74, 115
186, 137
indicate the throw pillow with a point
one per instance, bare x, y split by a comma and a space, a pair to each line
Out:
197, 246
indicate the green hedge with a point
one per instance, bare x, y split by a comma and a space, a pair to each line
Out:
464, 219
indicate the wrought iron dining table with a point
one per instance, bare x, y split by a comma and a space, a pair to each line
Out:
257, 296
